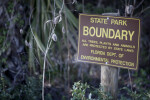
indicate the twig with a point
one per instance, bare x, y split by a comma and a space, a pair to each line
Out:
128, 2
125, 8
134, 2
143, 10
44, 74
68, 67
139, 4
7, 15
130, 80
44, 65
54, 9
48, 46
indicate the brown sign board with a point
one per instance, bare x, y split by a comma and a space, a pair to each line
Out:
109, 40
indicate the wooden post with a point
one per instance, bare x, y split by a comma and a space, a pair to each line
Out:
109, 75
109, 80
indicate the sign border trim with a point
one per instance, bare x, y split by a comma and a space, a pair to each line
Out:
104, 63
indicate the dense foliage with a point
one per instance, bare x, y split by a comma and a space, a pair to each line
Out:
39, 36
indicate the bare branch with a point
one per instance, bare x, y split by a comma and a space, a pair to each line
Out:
143, 11
139, 4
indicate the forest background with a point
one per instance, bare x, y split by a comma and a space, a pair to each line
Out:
38, 48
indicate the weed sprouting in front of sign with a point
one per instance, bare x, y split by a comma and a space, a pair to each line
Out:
83, 91
80, 92
51, 37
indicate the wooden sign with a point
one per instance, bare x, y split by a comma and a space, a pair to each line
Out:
109, 40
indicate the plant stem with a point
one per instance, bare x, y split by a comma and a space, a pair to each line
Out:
44, 74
